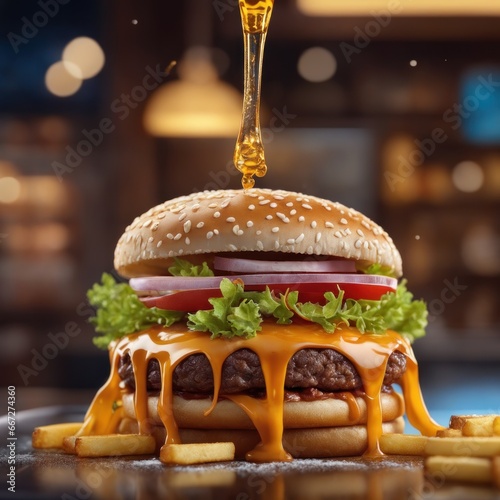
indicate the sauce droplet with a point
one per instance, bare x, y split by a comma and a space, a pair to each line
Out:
249, 151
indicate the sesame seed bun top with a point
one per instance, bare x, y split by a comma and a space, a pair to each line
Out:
256, 220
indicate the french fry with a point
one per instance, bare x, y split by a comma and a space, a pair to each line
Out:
463, 446
458, 421
68, 445
465, 469
496, 471
496, 426
402, 444
479, 426
196, 453
443, 433
111, 445
51, 436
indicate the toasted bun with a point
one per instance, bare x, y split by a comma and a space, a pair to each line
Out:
257, 220
320, 442
189, 413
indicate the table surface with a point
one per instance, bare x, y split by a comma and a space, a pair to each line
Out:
50, 474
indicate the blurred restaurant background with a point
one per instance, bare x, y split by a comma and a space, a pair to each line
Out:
391, 107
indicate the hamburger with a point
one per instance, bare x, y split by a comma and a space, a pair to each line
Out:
268, 318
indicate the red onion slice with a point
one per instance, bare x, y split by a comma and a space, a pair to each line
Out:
161, 285
255, 266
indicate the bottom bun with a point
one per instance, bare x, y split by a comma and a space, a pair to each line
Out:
190, 413
300, 443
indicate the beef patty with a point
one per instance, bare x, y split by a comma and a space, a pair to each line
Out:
323, 369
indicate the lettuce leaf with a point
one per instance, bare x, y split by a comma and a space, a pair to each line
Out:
183, 267
120, 312
238, 313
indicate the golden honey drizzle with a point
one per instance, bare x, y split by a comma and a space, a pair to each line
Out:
275, 346
249, 151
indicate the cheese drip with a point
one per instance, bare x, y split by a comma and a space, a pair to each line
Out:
275, 346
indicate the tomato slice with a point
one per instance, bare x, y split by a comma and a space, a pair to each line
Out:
196, 299
187, 300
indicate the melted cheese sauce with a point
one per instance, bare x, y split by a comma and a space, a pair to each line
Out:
275, 345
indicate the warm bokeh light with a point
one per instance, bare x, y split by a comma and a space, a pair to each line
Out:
317, 64
467, 176
480, 249
404, 8
60, 81
197, 105
85, 57
10, 189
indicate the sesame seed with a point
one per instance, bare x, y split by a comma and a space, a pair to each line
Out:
195, 207
170, 236
278, 197
258, 232
249, 223
182, 216
275, 229
306, 206
150, 239
187, 240
147, 223
360, 233
276, 245
299, 238
264, 202
230, 219
154, 227
216, 215
358, 243
273, 205
293, 211
251, 207
200, 225
237, 231
289, 204
338, 234
291, 241
225, 203
347, 231
309, 250
233, 248
213, 205
269, 217
181, 251
343, 221
178, 236
283, 217
366, 244
210, 234
159, 244
216, 232
329, 225
314, 224
187, 226
161, 216
260, 245
302, 218
318, 237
